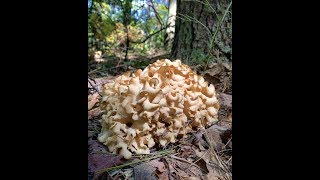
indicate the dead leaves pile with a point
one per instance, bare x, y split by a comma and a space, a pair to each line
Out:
220, 75
205, 155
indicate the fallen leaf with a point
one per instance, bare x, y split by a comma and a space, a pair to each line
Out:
101, 81
228, 66
96, 112
205, 155
102, 161
186, 151
144, 171
225, 100
215, 133
163, 176
95, 146
161, 170
226, 138
92, 100
212, 176
199, 141
229, 118
214, 70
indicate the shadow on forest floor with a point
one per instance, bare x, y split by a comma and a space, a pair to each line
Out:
115, 64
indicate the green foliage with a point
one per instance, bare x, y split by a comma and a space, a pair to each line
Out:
111, 22
100, 23
138, 64
198, 57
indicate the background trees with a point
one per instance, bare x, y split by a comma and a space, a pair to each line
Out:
197, 32
125, 35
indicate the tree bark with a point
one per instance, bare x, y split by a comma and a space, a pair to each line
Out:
126, 21
171, 22
195, 24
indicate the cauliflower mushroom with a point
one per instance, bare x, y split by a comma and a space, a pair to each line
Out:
153, 106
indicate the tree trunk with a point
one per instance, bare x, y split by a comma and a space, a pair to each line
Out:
171, 22
126, 21
195, 26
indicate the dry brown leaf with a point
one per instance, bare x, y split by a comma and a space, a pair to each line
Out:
144, 171
95, 146
225, 100
212, 175
156, 163
229, 118
100, 161
214, 135
228, 66
199, 141
92, 100
181, 170
161, 170
94, 113
205, 155
186, 151
163, 176
214, 70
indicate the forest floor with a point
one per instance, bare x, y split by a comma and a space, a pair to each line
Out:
204, 154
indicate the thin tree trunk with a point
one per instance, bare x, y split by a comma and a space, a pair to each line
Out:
171, 22
126, 22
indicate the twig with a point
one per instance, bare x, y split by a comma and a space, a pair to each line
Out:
198, 159
156, 13
184, 160
221, 21
206, 4
189, 18
94, 87
213, 152
123, 65
224, 150
148, 37
223, 166
93, 71
229, 160
227, 143
212, 42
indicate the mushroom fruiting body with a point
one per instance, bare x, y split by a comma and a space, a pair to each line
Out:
155, 105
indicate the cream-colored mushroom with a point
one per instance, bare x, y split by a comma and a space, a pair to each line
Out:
155, 106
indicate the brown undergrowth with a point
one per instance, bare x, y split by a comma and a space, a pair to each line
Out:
205, 154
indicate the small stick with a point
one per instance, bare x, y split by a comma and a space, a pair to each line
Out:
227, 143
94, 88
184, 160
229, 160
224, 150
198, 159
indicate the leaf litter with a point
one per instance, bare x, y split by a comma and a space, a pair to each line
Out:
206, 155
